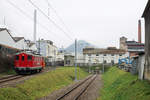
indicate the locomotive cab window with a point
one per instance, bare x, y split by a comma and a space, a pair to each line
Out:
29, 57
22, 58
17, 57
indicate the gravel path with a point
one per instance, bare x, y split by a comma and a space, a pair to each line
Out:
90, 94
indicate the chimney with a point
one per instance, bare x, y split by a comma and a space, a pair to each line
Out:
139, 31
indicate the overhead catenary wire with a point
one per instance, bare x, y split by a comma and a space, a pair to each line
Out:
61, 20
50, 20
28, 16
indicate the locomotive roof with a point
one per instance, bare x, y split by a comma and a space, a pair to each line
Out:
28, 53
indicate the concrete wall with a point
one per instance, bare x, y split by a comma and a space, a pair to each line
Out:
147, 46
141, 64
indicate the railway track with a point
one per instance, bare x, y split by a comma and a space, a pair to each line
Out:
76, 92
9, 78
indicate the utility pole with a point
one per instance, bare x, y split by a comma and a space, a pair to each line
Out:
35, 25
103, 65
54, 58
39, 46
89, 63
76, 60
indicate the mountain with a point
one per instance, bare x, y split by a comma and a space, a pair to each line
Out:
80, 45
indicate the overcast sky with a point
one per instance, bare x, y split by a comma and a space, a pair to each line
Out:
100, 22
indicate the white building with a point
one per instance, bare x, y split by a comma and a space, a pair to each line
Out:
99, 56
60, 56
20, 43
6, 39
47, 49
32, 46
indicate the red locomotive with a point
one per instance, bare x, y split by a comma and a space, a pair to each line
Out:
28, 63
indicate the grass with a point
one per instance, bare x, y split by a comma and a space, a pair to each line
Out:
120, 85
9, 72
41, 85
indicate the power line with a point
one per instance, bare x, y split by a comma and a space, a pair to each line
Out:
49, 4
28, 16
50, 19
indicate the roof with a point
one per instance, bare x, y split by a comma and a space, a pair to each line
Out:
8, 47
146, 9
5, 29
2, 29
28, 53
18, 38
103, 51
133, 45
30, 44
47, 41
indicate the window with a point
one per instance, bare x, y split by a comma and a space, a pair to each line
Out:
112, 62
104, 54
112, 54
22, 58
68, 62
17, 57
105, 61
120, 55
29, 57
97, 54
89, 54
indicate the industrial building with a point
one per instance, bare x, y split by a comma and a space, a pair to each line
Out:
133, 47
111, 55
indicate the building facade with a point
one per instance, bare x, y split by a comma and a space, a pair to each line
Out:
48, 50
146, 16
20, 43
107, 56
133, 47
69, 60
6, 38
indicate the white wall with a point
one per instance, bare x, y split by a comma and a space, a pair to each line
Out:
6, 39
60, 57
47, 49
33, 47
21, 44
100, 58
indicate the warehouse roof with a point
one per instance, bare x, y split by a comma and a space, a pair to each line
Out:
103, 51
